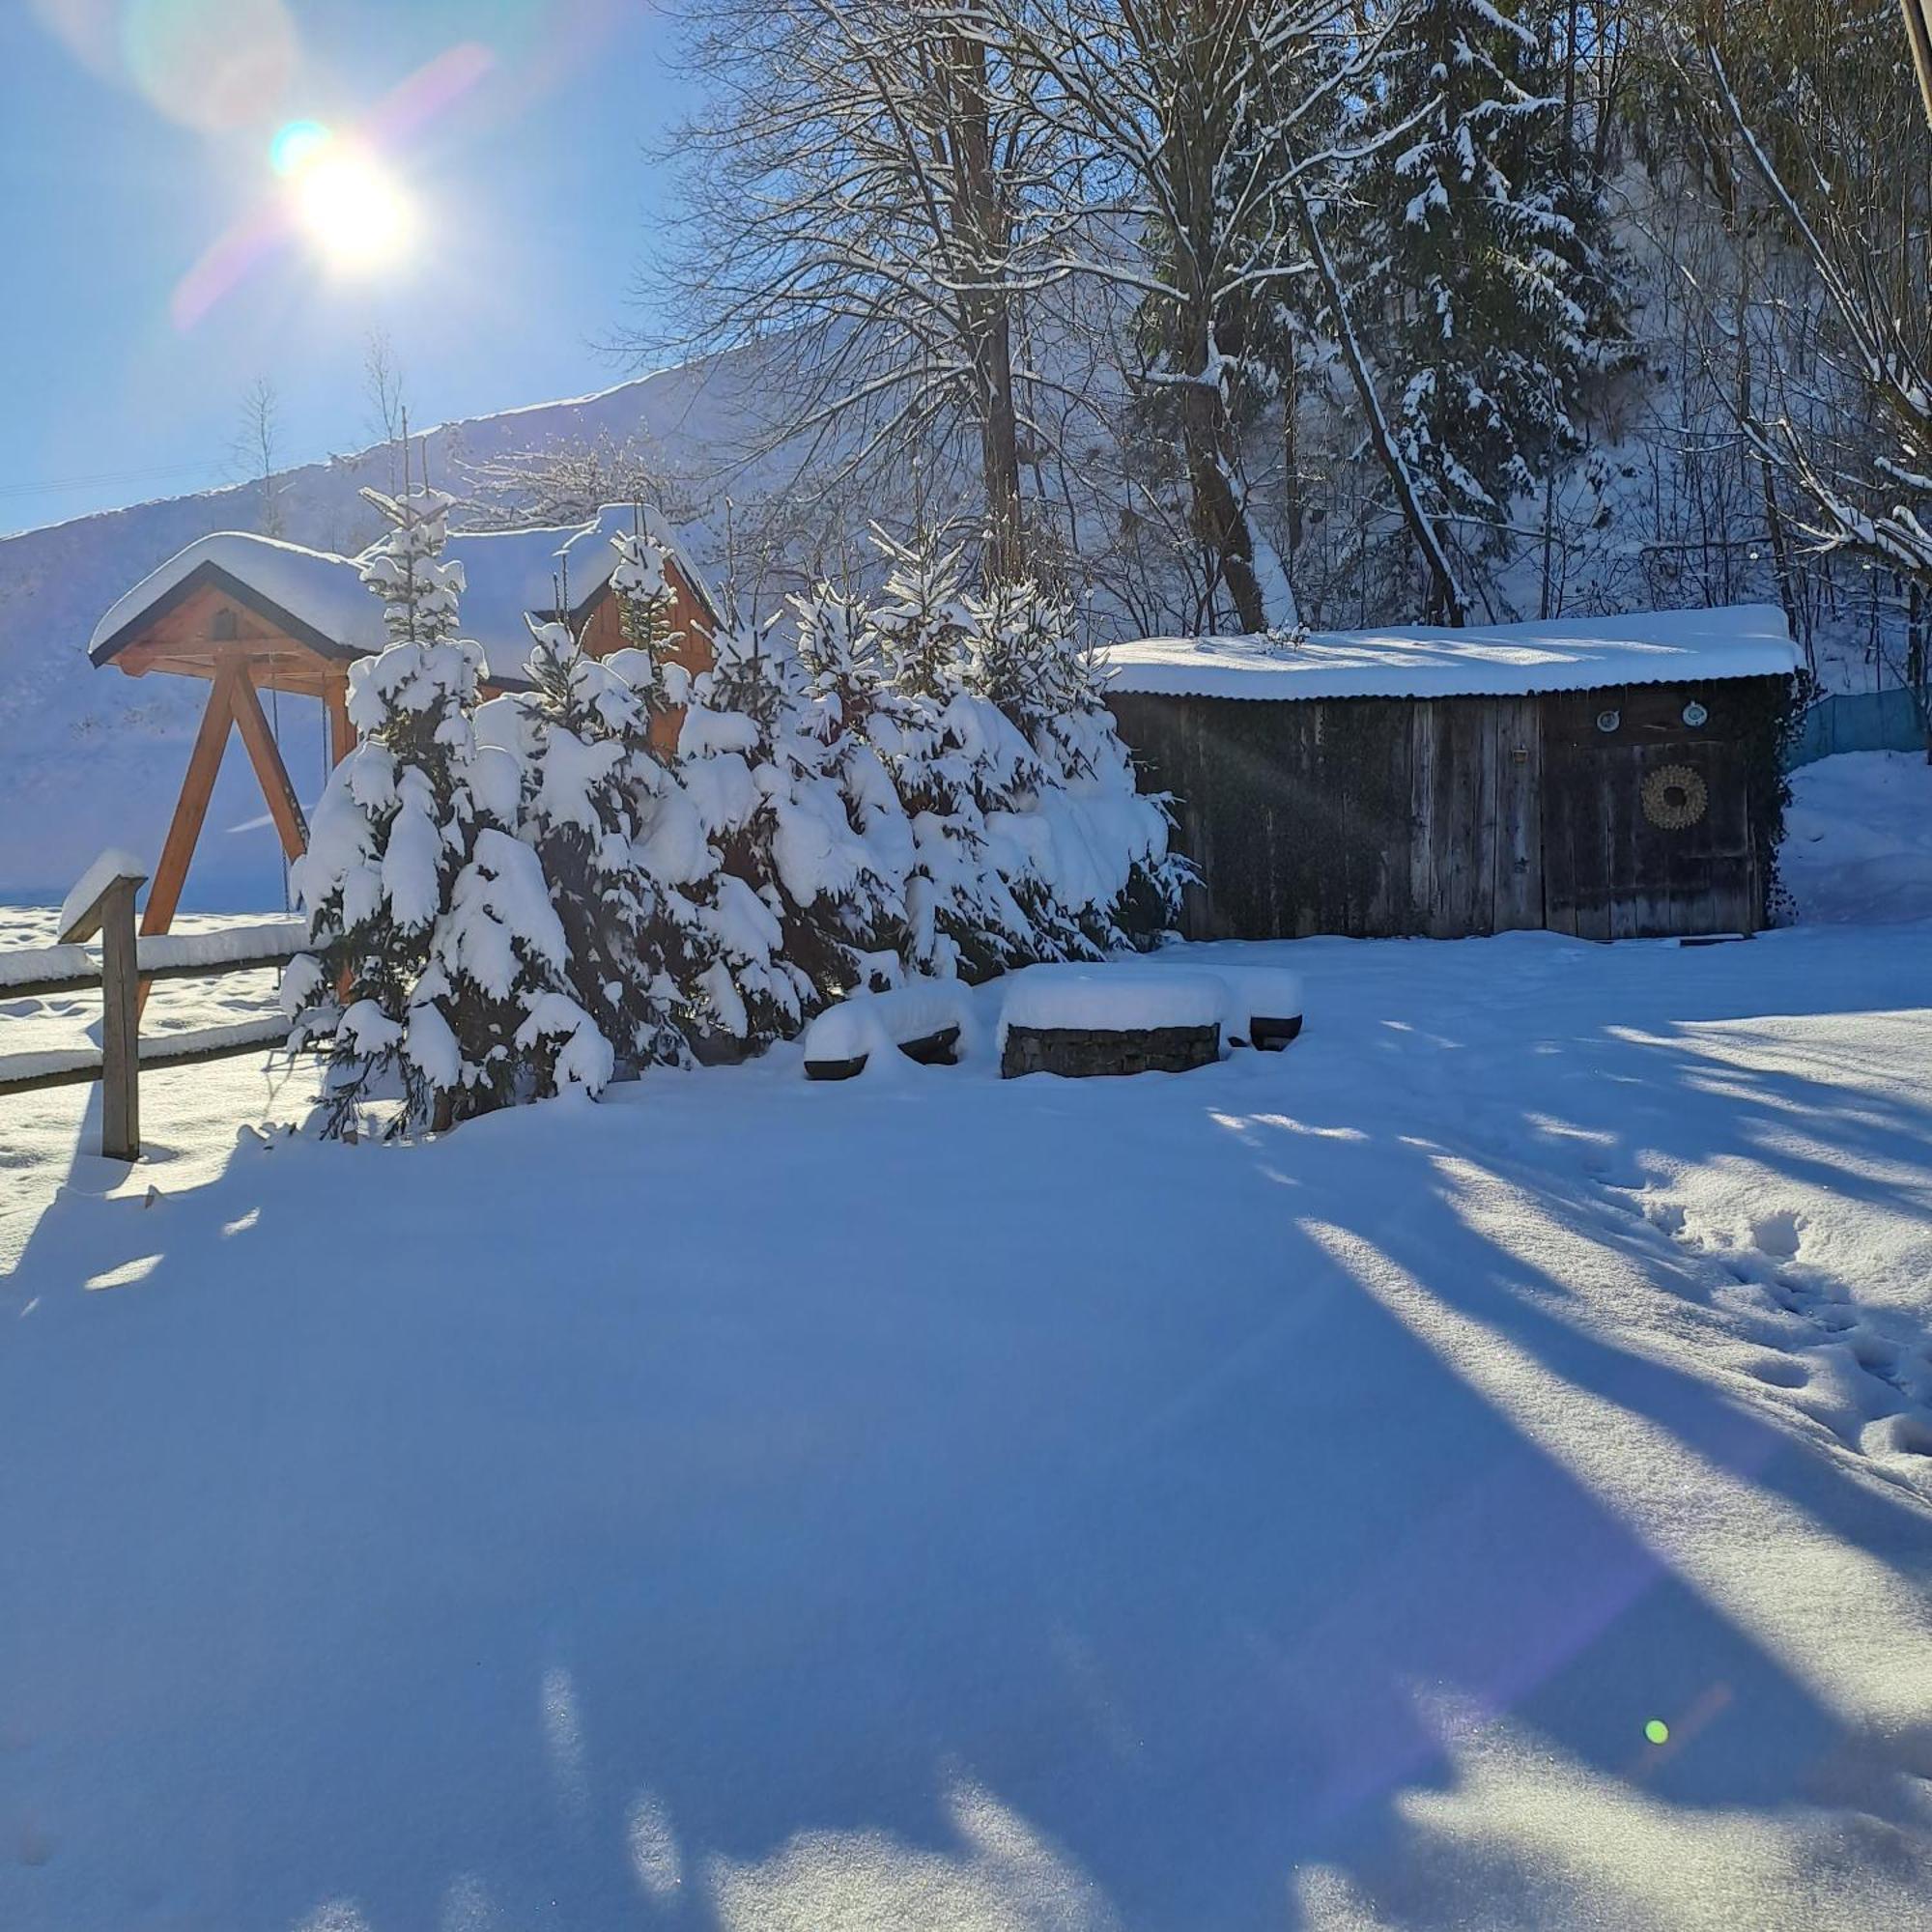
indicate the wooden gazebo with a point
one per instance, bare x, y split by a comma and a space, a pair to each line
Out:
249, 615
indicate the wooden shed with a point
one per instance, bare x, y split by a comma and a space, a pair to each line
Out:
250, 614
1614, 778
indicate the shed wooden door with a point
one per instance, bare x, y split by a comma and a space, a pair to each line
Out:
1646, 829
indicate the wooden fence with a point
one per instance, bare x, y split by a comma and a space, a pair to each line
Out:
122, 970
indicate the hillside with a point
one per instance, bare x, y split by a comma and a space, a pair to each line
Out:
95, 758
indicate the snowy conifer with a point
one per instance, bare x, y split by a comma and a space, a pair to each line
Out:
589, 792
802, 904
393, 832
1098, 872
954, 758
647, 612
435, 958
1491, 279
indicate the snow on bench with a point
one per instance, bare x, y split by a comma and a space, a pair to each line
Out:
925, 1021
1263, 1004
1084, 1020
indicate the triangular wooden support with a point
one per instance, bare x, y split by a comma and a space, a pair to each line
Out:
231, 700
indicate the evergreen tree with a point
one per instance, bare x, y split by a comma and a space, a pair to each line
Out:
760, 757
1101, 875
954, 758
647, 613
1492, 282
393, 832
588, 793
435, 959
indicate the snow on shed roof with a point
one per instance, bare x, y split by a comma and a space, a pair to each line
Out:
319, 591
1492, 661
508, 575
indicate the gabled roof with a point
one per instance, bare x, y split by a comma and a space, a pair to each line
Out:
1484, 661
319, 598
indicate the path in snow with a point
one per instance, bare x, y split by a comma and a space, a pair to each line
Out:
1280, 1494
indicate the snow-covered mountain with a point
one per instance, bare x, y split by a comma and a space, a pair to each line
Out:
90, 758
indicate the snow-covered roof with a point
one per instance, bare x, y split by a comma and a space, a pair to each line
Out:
508, 575
320, 592
1488, 660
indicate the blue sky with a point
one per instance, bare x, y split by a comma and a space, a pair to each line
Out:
136, 135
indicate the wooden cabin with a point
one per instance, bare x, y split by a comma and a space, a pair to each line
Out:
248, 615
1613, 777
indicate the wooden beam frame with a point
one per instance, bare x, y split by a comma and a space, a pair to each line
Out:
266, 755
204, 765
231, 700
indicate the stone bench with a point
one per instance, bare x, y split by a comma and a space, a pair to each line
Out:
1087, 1021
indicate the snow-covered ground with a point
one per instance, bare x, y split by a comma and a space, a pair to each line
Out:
1280, 1494
1858, 839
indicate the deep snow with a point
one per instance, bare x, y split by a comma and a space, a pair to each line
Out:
1279, 1494
1858, 839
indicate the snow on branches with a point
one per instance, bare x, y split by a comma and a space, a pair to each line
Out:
629, 865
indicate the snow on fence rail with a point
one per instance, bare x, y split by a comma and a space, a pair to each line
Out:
104, 903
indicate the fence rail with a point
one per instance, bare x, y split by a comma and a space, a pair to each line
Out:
125, 965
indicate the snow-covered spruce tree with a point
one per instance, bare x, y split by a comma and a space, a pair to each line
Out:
647, 613
1101, 874
801, 904
589, 791
849, 699
433, 950
1491, 286
954, 758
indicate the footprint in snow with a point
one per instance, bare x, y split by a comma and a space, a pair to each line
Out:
1778, 1234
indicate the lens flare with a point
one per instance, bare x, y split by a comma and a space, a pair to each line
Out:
296, 145
1658, 1731
353, 211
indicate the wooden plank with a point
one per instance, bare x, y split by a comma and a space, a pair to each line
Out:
51, 986
341, 732
193, 1049
266, 755
1517, 878
204, 765
1422, 828
81, 1070
120, 1026
1458, 817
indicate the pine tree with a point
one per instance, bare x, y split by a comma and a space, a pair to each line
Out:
1100, 875
588, 793
393, 832
954, 758
757, 750
1491, 279
848, 698
647, 614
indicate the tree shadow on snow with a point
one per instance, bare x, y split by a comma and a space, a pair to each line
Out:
1059, 1502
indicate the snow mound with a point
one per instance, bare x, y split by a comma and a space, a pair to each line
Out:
1260, 993
875, 1023
1493, 660
1858, 839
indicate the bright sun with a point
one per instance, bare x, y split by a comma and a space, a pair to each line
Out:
352, 209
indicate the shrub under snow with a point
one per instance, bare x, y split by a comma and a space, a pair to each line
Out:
628, 861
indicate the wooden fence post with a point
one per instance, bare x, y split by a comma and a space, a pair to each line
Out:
120, 1024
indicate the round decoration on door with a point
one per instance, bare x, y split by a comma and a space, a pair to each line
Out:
1674, 796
